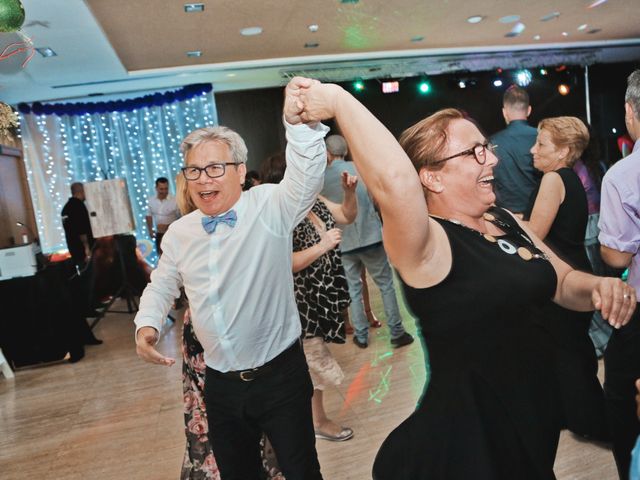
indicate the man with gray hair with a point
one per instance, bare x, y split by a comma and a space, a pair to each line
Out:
361, 247
232, 254
515, 176
620, 240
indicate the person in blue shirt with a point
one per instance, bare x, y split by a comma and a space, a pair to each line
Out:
515, 177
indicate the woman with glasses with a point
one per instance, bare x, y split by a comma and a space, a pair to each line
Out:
558, 215
471, 274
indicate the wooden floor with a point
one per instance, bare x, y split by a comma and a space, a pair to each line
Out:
113, 417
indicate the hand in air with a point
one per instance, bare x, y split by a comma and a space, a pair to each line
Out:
349, 182
319, 101
146, 339
330, 239
615, 299
293, 106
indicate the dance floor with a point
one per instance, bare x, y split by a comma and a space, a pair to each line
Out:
113, 417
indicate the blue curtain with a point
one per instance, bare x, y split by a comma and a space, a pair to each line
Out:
138, 140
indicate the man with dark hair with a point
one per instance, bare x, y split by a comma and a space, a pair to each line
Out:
620, 240
253, 179
77, 227
162, 211
77, 230
362, 247
515, 177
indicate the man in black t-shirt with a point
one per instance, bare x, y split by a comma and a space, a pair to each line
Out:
77, 228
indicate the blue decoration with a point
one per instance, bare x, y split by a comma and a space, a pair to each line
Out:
137, 139
156, 99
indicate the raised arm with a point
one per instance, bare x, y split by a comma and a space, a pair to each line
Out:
306, 161
385, 169
545, 208
345, 212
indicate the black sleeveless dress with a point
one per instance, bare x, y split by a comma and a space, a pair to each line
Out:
488, 412
576, 363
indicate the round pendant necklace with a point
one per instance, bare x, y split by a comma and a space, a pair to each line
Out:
526, 253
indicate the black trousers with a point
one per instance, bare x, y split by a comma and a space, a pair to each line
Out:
621, 369
158, 240
278, 404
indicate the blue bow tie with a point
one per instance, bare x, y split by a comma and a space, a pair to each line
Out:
210, 223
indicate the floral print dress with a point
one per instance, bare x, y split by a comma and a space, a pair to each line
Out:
199, 462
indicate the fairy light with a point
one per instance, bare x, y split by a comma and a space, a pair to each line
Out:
138, 145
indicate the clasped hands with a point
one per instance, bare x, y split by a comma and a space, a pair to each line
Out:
309, 101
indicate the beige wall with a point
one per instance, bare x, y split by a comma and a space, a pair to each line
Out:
15, 199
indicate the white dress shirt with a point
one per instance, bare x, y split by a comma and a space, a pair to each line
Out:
239, 280
163, 211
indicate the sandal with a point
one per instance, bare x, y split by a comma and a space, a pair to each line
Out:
345, 434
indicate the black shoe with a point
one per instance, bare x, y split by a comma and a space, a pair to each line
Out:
93, 341
76, 354
402, 340
360, 344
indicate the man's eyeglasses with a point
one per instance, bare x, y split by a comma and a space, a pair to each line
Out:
479, 152
213, 170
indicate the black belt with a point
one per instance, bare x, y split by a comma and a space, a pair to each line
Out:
252, 373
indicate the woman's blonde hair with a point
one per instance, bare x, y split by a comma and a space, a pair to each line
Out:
570, 132
183, 199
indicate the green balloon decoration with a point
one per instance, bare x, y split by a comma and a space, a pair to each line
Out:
11, 15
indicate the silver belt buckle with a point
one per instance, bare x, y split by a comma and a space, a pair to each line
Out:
247, 375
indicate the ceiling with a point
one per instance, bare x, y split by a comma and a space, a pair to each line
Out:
123, 47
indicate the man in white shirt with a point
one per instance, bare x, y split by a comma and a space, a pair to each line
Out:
232, 254
162, 211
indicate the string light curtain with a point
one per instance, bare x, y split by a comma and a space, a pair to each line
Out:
137, 139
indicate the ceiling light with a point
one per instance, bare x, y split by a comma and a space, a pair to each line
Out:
582, 27
250, 31
231, 75
311, 45
597, 3
424, 87
417, 38
194, 53
475, 18
193, 7
46, 52
509, 19
523, 77
537, 37
550, 16
497, 82
517, 29
462, 84
313, 28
